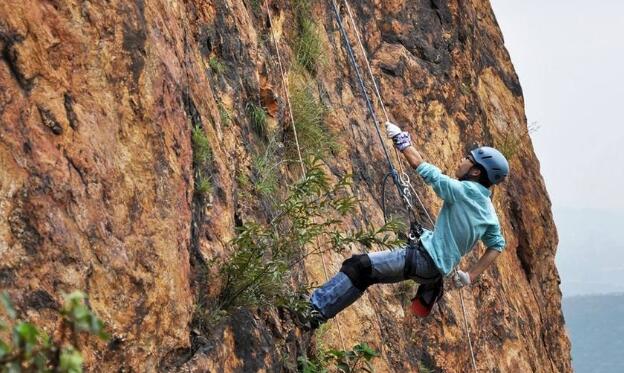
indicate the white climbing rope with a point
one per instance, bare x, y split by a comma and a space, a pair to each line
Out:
285, 85
403, 176
294, 127
472, 355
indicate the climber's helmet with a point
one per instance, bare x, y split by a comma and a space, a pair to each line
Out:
492, 161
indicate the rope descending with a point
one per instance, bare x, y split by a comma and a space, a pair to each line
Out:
403, 190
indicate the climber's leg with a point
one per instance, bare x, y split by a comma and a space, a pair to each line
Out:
345, 287
360, 271
356, 275
388, 266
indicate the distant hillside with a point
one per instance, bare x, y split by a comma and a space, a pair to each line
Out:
596, 327
590, 254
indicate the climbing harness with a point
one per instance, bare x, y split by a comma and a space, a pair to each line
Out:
401, 182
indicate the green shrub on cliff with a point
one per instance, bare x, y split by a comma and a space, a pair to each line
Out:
265, 255
308, 115
256, 6
258, 117
202, 152
202, 159
358, 359
308, 46
31, 349
423, 368
216, 65
265, 168
224, 114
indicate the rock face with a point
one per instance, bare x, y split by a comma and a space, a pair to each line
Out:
97, 186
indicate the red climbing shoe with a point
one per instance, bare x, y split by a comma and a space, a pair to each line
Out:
426, 297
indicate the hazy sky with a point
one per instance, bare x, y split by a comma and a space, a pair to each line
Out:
569, 56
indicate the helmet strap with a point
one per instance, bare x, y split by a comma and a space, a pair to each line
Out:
466, 176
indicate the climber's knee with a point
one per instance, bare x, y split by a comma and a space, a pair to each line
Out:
359, 269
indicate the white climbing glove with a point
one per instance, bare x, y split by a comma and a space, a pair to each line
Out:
461, 278
392, 129
400, 138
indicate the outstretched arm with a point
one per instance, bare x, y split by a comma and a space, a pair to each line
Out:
403, 143
462, 278
486, 259
413, 156
444, 186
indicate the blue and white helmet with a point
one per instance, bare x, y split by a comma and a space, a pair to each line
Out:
493, 162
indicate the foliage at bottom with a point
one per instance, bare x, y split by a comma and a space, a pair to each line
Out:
358, 359
31, 349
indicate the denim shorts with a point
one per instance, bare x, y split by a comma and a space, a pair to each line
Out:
389, 266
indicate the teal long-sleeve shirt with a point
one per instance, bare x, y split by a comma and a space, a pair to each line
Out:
467, 216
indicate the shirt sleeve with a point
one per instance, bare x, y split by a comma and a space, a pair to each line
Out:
493, 238
445, 187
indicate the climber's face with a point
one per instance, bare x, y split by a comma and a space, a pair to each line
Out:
465, 169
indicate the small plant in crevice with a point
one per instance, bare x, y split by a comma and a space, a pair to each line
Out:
31, 349
264, 254
423, 368
216, 65
258, 118
256, 6
244, 186
465, 88
265, 168
202, 160
308, 115
202, 152
510, 143
358, 359
308, 46
203, 185
205, 315
224, 114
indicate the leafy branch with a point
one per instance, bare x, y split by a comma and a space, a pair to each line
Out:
31, 349
357, 359
265, 253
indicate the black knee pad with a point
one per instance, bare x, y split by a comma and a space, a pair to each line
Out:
359, 270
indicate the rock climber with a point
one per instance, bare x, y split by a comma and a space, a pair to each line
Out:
467, 215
